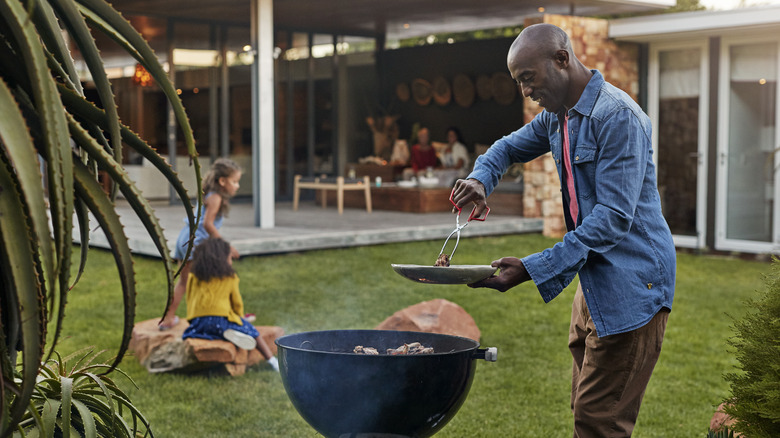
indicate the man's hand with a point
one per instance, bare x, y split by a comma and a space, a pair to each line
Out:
512, 273
468, 191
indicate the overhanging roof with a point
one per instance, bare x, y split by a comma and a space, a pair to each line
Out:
696, 24
396, 19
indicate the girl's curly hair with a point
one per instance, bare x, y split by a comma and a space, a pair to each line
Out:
221, 168
210, 260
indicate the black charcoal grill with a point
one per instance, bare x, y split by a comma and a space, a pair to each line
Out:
346, 395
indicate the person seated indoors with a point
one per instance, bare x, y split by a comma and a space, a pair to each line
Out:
454, 158
423, 155
401, 155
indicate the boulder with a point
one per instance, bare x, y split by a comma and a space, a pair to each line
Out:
147, 337
720, 420
207, 350
172, 355
163, 351
435, 316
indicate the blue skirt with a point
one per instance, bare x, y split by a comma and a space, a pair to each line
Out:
212, 327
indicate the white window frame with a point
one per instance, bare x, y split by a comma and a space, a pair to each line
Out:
721, 241
653, 88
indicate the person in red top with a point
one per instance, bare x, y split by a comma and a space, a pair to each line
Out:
423, 154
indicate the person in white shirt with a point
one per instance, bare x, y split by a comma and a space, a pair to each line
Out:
454, 157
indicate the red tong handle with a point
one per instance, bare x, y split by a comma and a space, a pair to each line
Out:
474, 210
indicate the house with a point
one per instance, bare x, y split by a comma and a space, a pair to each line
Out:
249, 97
707, 79
710, 87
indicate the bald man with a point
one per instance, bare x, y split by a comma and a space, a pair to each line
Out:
617, 239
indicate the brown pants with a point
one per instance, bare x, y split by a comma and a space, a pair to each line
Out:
610, 374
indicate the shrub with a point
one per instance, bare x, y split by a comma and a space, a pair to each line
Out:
755, 391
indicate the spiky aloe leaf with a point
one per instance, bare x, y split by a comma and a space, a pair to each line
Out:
122, 180
51, 407
35, 418
50, 33
111, 22
19, 265
53, 129
87, 420
7, 386
22, 157
66, 385
69, 13
93, 380
98, 401
53, 141
93, 196
82, 216
87, 111
18, 147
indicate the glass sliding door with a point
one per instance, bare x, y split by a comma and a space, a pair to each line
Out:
747, 218
678, 84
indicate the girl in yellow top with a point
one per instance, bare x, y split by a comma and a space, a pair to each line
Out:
214, 304
219, 185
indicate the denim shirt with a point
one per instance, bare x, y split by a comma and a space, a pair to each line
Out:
621, 246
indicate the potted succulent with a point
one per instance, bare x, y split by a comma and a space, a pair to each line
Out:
47, 123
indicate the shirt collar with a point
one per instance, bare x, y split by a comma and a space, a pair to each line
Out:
587, 100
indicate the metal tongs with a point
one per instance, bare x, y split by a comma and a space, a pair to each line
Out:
458, 226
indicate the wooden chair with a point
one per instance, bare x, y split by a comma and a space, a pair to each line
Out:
340, 184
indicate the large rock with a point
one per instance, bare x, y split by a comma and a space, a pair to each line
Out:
147, 337
435, 316
722, 420
163, 351
172, 355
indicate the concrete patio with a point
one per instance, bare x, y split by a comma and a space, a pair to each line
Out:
312, 227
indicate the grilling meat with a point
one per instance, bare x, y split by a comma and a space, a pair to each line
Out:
413, 348
406, 349
365, 350
443, 260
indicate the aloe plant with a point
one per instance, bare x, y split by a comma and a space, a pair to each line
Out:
722, 433
77, 400
47, 123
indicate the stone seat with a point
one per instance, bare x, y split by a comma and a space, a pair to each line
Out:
164, 351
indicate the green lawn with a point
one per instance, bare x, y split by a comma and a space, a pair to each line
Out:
524, 394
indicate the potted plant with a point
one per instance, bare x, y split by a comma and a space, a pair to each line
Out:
47, 123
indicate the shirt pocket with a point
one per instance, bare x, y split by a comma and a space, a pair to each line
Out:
584, 162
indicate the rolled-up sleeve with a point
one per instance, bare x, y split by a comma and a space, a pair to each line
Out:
521, 146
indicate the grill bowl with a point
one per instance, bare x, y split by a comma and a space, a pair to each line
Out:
346, 395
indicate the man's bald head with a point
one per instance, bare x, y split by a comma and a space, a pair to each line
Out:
541, 40
543, 64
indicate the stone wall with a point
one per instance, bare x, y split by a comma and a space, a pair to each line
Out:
619, 65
